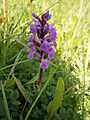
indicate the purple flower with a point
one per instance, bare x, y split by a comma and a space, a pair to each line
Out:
44, 63
51, 54
54, 43
46, 29
43, 38
32, 51
31, 56
31, 39
29, 44
51, 26
33, 29
35, 16
36, 22
45, 46
46, 16
53, 34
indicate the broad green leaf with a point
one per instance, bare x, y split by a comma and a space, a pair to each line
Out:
8, 83
57, 101
23, 90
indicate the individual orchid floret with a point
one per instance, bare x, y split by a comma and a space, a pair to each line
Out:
44, 63
51, 54
32, 51
45, 46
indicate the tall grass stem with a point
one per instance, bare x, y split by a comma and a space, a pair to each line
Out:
5, 102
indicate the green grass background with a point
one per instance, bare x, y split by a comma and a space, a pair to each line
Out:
72, 61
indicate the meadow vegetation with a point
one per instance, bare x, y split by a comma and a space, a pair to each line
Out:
70, 69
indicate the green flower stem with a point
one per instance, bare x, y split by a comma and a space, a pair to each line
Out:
40, 78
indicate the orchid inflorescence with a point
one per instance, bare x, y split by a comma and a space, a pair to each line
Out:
42, 39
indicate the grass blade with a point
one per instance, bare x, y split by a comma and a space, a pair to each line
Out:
23, 90
79, 19
5, 102
15, 63
87, 57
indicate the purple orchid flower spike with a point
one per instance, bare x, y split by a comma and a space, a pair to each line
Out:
41, 42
